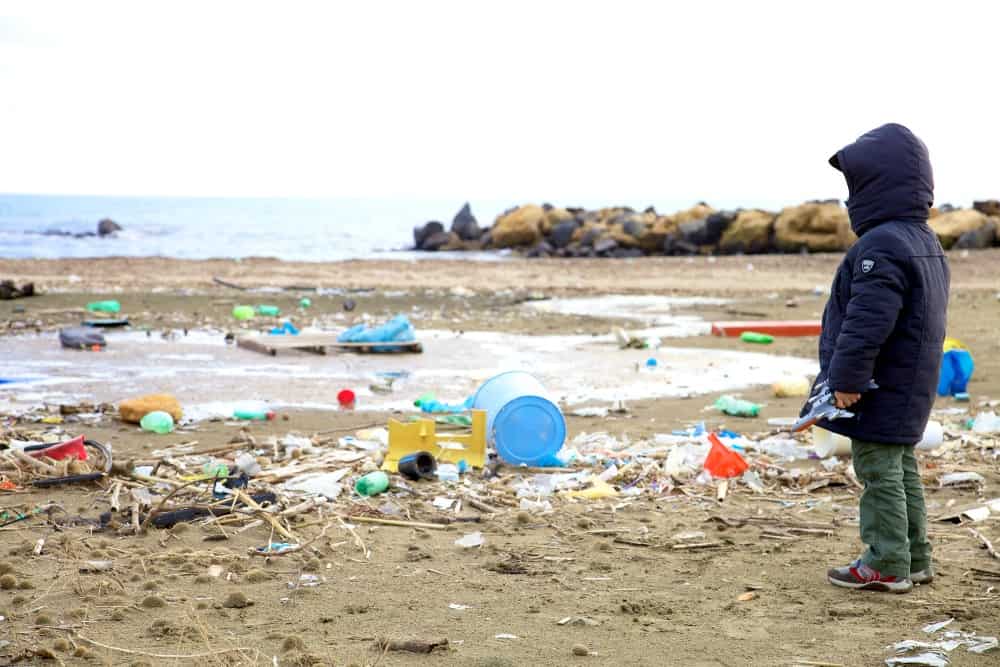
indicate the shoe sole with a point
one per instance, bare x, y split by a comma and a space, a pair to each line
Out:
923, 581
878, 586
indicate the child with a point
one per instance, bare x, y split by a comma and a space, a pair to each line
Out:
885, 320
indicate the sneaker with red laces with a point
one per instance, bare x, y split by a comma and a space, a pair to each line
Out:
859, 576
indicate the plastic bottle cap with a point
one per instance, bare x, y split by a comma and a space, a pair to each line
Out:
346, 398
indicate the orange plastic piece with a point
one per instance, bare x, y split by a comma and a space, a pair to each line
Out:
71, 448
723, 462
772, 327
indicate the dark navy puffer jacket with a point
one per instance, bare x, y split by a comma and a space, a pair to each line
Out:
885, 319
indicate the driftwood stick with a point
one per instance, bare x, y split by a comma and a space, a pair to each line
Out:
393, 522
291, 550
357, 538
33, 462
263, 514
165, 656
986, 543
115, 497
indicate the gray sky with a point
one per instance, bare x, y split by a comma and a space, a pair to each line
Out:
731, 102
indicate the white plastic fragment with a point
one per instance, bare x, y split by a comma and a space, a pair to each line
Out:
471, 540
934, 627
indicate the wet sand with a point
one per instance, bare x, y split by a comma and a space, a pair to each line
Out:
607, 565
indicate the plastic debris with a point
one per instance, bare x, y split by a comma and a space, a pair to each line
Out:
791, 387
398, 330
723, 462
737, 407
471, 540
157, 422
986, 422
243, 313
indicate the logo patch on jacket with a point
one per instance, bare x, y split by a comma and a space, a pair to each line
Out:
867, 265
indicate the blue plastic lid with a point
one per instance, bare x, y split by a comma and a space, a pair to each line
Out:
529, 430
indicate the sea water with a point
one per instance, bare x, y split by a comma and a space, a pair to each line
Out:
44, 226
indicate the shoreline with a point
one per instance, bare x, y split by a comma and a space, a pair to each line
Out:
971, 270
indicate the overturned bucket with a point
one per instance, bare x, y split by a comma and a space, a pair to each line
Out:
522, 422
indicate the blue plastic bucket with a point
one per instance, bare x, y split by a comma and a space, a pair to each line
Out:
522, 422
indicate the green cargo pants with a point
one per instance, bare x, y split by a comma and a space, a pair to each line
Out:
893, 514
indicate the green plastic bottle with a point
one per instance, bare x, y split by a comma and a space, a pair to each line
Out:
104, 306
423, 398
254, 415
372, 484
737, 407
215, 469
754, 337
157, 422
305, 302
243, 313
268, 311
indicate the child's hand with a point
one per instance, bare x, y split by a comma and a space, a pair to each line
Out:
843, 400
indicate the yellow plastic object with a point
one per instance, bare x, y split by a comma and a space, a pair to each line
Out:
599, 489
953, 344
790, 387
422, 436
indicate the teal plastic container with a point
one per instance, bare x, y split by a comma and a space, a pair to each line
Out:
522, 422
104, 306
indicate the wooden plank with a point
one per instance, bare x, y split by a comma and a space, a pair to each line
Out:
415, 347
772, 327
318, 343
255, 345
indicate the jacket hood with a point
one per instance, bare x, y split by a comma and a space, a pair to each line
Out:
889, 177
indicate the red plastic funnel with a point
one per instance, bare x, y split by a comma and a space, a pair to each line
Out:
723, 462
70, 449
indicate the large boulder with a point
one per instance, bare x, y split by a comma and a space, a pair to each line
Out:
750, 232
520, 227
134, 409
107, 226
623, 238
465, 224
543, 249
975, 229
699, 211
562, 233
605, 246
634, 226
589, 232
420, 234
705, 231
817, 227
441, 241
656, 234
989, 207
555, 216
984, 237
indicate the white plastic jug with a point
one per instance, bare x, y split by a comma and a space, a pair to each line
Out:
933, 436
827, 443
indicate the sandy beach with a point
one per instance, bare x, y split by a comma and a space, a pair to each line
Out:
617, 576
